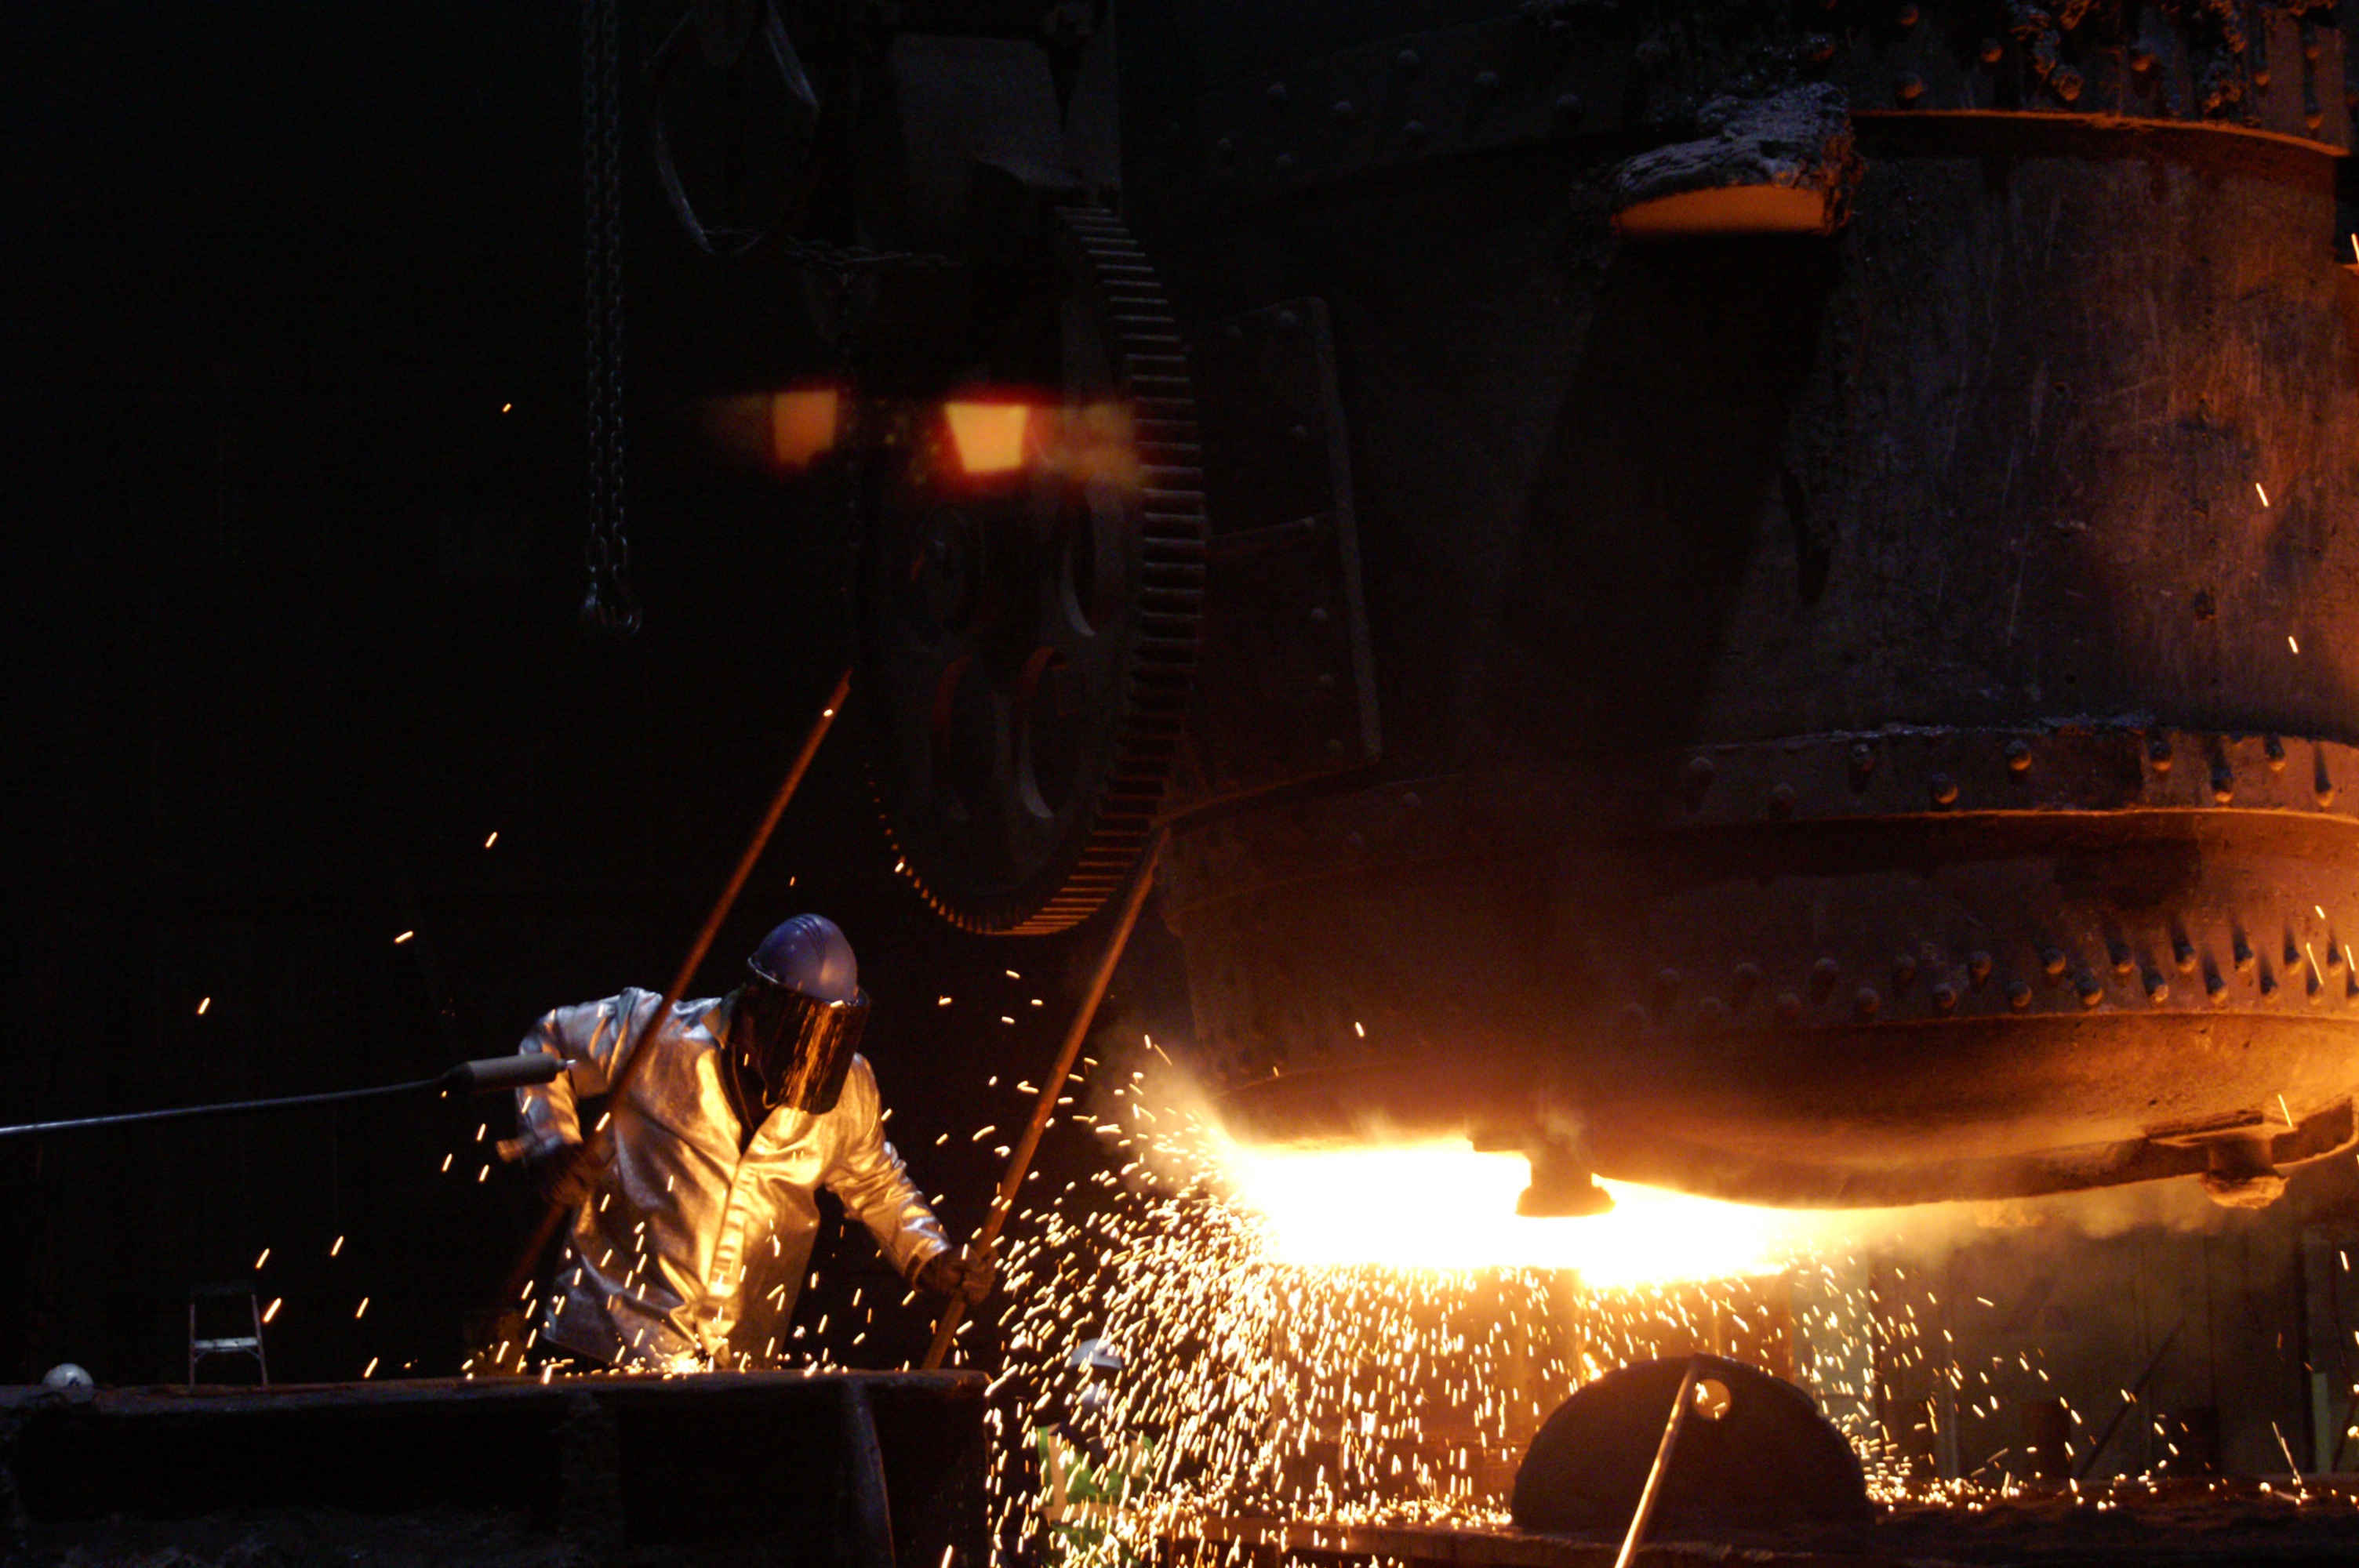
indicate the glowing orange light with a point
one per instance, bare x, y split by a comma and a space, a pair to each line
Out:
803, 425
989, 436
1445, 1206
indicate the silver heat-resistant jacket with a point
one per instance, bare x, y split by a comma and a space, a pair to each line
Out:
687, 1249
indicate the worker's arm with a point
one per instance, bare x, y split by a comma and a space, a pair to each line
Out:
868, 1175
585, 1039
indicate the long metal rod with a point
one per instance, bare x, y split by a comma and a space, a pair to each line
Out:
519, 1278
228, 1108
2135, 1389
1662, 1465
465, 1078
1019, 1163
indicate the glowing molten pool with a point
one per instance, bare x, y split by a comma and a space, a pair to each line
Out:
1444, 1206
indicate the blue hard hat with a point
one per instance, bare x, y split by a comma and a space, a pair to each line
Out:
810, 957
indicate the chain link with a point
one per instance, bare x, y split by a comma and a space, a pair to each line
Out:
608, 607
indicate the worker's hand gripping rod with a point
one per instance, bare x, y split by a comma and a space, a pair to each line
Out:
520, 1277
1051, 1088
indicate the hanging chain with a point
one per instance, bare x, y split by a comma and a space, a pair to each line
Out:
608, 607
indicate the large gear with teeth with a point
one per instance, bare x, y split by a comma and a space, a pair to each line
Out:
1029, 644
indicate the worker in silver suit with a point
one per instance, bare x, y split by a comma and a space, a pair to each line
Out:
697, 1213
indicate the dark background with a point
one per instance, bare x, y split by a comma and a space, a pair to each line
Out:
291, 630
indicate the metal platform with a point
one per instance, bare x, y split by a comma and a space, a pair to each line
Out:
2225, 1523
865, 1469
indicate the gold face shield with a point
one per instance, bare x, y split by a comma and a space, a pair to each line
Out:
800, 1048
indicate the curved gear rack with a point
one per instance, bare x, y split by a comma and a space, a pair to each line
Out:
1031, 645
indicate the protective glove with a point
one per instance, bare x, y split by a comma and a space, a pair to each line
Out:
564, 1175
967, 1274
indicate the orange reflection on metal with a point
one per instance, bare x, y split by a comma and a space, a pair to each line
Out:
988, 437
803, 425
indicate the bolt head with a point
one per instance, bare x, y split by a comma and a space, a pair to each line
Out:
1944, 789
2018, 756
1945, 998
2018, 995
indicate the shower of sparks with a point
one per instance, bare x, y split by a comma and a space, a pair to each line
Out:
2262, 493
1370, 1335
1347, 1392
1367, 1336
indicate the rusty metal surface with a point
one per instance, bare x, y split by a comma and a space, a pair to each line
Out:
1865, 718
1558, 72
606, 1468
1287, 680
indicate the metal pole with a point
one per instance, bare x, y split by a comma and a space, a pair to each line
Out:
1679, 1403
192, 1112
520, 1278
467, 1078
1020, 1162
2135, 1391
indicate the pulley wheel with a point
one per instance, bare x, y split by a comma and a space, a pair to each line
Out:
1028, 636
